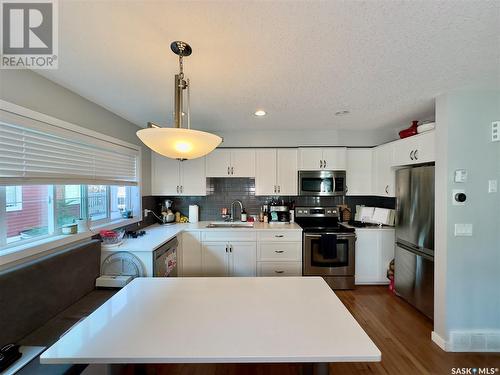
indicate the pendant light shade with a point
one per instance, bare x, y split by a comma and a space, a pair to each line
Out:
178, 143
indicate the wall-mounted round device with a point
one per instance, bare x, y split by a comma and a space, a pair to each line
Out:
458, 197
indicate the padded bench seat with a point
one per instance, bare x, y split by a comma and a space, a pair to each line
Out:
43, 298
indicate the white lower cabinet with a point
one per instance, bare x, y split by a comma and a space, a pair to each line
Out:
241, 253
228, 259
374, 252
279, 253
190, 254
279, 268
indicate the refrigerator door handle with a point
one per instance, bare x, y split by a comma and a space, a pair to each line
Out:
415, 251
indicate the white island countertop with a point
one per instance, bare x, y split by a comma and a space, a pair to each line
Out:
217, 320
156, 235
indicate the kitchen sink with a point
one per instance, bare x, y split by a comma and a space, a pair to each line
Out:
224, 224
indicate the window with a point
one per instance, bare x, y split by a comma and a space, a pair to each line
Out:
14, 198
30, 217
53, 173
32, 212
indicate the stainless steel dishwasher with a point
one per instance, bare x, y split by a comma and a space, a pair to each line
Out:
165, 259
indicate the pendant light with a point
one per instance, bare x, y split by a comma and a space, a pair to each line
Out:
178, 142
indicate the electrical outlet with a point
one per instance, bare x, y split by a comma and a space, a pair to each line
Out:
463, 230
495, 131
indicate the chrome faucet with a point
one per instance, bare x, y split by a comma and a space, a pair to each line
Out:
232, 208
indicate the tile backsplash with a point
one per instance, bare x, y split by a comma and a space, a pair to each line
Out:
222, 191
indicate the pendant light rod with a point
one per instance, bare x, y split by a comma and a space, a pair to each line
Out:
181, 49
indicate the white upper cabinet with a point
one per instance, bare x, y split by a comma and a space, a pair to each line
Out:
276, 172
383, 175
286, 172
322, 158
193, 178
415, 150
359, 171
265, 172
165, 175
174, 177
231, 163
310, 159
334, 158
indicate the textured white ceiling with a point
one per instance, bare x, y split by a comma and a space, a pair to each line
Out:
301, 61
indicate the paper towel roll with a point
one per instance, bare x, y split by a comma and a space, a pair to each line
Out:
193, 213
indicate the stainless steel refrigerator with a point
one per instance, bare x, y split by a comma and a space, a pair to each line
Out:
414, 252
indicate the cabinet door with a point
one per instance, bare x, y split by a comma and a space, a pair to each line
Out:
386, 254
426, 148
359, 171
243, 259
193, 179
214, 258
384, 176
191, 254
367, 269
310, 159
243, 163
165, 175
265, 172
218, 163
334, 158
286, 171
404, 150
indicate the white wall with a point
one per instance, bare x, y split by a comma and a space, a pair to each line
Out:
306, 137
467, 268
30, 90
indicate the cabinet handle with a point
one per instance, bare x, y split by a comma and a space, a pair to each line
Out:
279, 271
279, 251
279, 236
415, 154
232, 170
226, 248
177, 188
279, 189
411, 155
321, 164
387, 189
275, 188
228, 170
230, 248
324, 163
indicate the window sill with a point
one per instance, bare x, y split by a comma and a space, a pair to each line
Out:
16, 253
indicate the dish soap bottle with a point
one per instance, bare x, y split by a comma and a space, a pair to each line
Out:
243, 215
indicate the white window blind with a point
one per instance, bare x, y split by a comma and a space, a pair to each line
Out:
36, 152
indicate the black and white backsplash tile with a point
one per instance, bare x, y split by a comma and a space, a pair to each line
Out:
222, 191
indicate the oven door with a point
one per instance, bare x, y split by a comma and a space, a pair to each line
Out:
321, 183
319, 261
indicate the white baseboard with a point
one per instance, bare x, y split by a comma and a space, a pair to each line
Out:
473, 341
438, 340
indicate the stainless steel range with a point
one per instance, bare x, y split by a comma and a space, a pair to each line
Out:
328, 248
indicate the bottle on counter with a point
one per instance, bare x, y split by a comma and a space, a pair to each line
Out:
243, 215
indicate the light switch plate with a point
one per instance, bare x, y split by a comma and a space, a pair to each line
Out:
495, 131
492, 186
463, 230
460, 175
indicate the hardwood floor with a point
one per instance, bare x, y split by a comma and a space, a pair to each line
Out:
402, 334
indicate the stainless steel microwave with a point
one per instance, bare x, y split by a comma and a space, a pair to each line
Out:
322, 183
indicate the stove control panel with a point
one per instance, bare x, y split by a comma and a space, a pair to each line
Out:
316, 212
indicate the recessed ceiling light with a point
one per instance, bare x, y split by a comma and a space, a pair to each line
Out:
342, 113
260, 113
